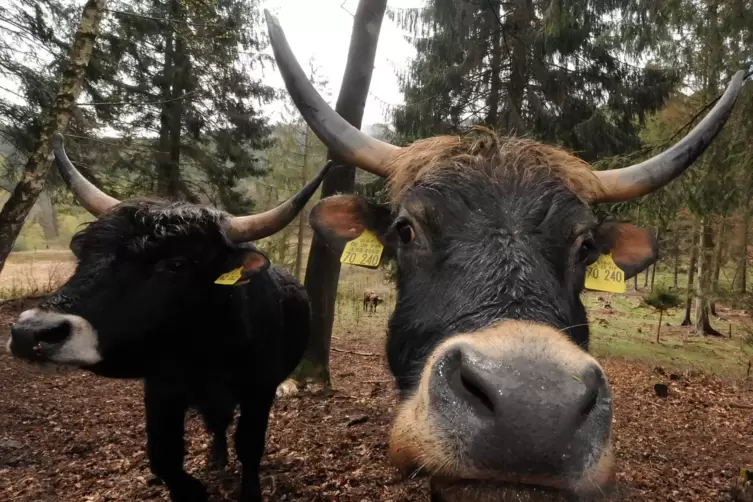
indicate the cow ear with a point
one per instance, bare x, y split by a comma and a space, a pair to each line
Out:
633, 249
342, 218
254, 261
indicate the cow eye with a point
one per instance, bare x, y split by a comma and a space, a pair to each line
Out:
587, 253
175, 265
405, 232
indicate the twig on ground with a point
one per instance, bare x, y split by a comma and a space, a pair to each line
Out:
355, 352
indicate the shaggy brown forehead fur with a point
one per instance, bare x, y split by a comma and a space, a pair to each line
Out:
496, 156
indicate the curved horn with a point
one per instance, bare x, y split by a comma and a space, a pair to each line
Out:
92, 198
258, 226
350, 144
640, 179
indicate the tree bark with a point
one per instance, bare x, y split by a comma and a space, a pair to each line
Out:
718, 259
304, 213
653, 267
676, 251
492, 101
47, 218
686, 321
323, 268
27, 190
43, 212
168, 157
703, 286
741, 274
518, 28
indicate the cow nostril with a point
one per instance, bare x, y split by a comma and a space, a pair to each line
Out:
475, 393
593, 380
589, 402
54, 334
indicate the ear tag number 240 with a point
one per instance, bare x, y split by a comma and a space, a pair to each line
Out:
605, 275
363, 251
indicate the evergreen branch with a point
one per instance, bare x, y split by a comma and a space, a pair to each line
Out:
119, 145
165, 19
555, 65
12, 92
126, 103
698, 114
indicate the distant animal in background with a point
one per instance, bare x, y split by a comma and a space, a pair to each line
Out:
370, 300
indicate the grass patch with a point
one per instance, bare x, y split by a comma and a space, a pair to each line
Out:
622, 327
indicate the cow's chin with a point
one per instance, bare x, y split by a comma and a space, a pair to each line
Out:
444, 489
45, 367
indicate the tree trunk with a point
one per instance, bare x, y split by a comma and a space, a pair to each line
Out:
492, 101
653, 267
653, 276
703, 286
45, 214
676, 251
718, 259
686, 321
168, 157
32, 181
304, 213
48, 218
323, 268
518, 27
739, 284
658, 328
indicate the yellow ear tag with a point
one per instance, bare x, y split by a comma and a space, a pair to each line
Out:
363, 251
232, 278
605, 275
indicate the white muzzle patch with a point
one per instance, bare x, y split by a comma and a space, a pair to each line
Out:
80, 348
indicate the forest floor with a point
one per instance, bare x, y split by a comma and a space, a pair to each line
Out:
75, 437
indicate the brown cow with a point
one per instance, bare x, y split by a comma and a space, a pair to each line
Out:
370, 300
489, 339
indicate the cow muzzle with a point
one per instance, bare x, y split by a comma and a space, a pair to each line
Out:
513, 409
49, 337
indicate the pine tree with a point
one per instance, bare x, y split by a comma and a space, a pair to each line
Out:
709, 41
183, 71
546, 68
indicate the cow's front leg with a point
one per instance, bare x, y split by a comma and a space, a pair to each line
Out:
165, 412
250, 438
217, 408
217, 422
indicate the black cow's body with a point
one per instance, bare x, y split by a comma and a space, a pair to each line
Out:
143, 303
177, 294
262, 332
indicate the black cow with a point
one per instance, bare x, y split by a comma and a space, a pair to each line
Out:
489, 339
143, 303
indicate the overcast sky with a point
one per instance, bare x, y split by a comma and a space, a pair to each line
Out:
320, 29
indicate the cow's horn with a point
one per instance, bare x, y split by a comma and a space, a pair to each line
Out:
349, 143
92, 198
258, 226
640, 179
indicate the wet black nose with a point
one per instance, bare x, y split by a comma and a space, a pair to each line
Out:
30, 336
522, 413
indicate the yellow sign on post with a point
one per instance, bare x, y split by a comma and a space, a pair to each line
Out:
605, 275
363, 251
